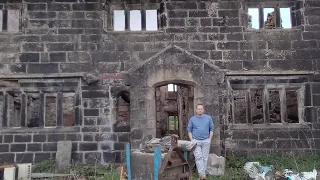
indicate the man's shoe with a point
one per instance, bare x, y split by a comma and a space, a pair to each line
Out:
203, 177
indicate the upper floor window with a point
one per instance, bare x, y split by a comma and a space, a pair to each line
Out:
134, 17
273, 16
10, 20
135, 20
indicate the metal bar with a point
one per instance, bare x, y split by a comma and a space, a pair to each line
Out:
128, 159
157, 162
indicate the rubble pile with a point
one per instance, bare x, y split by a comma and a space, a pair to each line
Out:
166, 144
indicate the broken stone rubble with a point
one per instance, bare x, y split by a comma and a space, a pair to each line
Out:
165, 144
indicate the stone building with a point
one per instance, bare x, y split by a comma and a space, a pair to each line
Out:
104, 73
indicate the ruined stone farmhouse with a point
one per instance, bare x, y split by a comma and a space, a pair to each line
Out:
104, 73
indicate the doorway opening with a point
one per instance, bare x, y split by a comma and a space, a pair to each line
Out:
174, 108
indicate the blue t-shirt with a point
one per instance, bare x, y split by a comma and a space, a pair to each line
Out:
200, 127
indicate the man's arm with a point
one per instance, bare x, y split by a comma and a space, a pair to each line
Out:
211, 127
190, 129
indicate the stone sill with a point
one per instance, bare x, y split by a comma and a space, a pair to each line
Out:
52, 75
269, 126
297, 28
40, 130
135, 32
11, 33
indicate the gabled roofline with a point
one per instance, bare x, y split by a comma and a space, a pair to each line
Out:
181, 50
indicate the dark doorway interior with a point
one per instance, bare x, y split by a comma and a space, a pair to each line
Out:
174, 107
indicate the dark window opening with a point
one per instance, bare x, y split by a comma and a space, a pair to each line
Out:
257, 106
33, 109
274, 107
51, 110
292, 107
254, 102
68, 109
14, 109
123, 111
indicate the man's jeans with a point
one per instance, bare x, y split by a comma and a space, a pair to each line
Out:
201, 154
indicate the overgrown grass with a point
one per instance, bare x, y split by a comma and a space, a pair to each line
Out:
234, 167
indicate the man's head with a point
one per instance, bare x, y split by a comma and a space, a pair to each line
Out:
200, 109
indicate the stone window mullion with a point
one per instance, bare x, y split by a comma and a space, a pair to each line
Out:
283, 104
248, 104
23, 110
266, 106
42, 110
5, 122
59, 108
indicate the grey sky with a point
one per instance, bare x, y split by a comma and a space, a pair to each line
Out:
135, 20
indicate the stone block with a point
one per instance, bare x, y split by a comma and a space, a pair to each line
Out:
39, 138
143, 165
112, 157
177, 14
57, 57
39, 157
32, 47
18, 68
49, 146
42, 68
24, 158
87, 24
60, 47
59, 7
63, 156
55, 38
34, 147
22, 138
18, 147
6, 158
228, 13
36, 7
4, 147
56, 137
87, 6
29, 57
216, 165
88, 146
92, 157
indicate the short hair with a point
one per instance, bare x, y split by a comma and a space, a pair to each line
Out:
200, 104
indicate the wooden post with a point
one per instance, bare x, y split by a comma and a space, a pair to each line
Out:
157, 162
128, 159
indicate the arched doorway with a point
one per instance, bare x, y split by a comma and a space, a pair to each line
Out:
174, 107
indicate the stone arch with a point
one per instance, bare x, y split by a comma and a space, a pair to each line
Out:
172, 64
